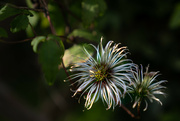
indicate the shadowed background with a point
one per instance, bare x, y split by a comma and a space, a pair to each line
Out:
151, 31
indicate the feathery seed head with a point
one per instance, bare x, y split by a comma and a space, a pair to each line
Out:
105, 77
145, 86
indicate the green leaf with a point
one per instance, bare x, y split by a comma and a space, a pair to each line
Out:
26, 12
3, 32
50, 56
8, 11
81, 33
92, 9
77, 54
101, 6
58, 42
94, 36
175, 19
35, 42
19, 23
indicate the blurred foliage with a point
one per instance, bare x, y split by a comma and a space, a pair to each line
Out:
3, 32
175, 19
92, 9
150, 29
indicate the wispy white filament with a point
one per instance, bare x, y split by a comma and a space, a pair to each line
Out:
105, 77
145, 86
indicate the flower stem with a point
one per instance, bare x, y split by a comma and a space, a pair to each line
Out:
32, 29
129, 112
138, 108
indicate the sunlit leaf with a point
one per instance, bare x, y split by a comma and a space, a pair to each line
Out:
3, 32
77, 54
82, 33
50, 56
94, 36
35, 42
19, 23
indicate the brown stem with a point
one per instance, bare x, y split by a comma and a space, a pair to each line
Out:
25, 40
53, 30
63, 37
138, 109
32, 29
33, 9
51, 26
43, 2
128, 111
25, 8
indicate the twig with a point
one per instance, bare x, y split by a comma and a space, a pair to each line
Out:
33, 9
43, 2
129, 112
64, 14
25, 40
25, 8
64, 37
32, 29
138, 109
65, 69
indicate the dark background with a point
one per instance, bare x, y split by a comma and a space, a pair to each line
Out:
151, 31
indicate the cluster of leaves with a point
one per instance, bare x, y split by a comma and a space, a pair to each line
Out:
20, 22
50, 55
50, 49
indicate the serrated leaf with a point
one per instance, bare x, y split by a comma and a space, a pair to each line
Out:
92, 9
3, 32
19, 23
175, 19
50, 56
85, 34
35, 42
8, 11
